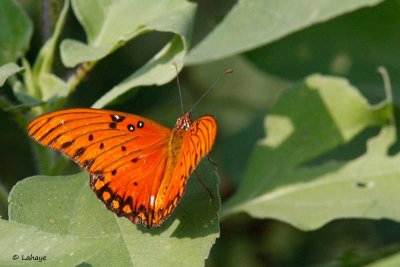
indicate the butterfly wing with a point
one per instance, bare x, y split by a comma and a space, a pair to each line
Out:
125, 154
196, 144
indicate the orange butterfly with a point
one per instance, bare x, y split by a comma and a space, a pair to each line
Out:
138, 167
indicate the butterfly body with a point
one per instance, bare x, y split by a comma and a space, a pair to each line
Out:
137, 167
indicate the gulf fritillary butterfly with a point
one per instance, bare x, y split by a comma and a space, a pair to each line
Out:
137, 167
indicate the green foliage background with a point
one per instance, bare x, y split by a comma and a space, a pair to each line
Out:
308, 157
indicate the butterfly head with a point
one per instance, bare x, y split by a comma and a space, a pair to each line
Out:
183, 122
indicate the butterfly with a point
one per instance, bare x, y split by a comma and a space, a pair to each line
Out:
138, 167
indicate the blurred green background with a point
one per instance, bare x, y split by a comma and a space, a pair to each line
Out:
352, 45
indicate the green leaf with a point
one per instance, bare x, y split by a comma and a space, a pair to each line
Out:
337, 53
16, 31
110, 24
389, 261
21, 94
52, 87
26, 92
306, 123
61, 217
158, 70
253, 23
7, 70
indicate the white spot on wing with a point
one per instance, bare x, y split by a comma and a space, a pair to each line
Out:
152, 199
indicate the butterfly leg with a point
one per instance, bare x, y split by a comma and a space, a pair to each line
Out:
212, 161
204, 184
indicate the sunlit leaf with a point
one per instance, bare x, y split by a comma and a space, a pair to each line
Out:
108, 25
7, 70
252, 23
306, 123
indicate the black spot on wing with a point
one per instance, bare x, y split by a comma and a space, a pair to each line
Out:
117, 118
66, 144
79, 152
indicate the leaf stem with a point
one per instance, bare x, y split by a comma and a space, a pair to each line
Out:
80, 73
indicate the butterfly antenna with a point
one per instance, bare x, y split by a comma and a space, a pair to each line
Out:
179, 87
228, 71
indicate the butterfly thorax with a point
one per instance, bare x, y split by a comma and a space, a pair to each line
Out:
178, 134
182, 127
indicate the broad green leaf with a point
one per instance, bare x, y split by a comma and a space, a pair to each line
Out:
110, 24
7, 70
61, 217
16, 31
159, 70
306, 123
339, 51
252, 23
389, 261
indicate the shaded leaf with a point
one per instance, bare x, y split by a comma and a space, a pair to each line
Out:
158, 70
306, 123
3, 201
21, 94
252, 23
16, 31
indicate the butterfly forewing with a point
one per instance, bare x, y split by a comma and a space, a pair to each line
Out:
196, 144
